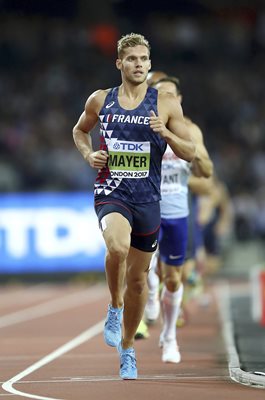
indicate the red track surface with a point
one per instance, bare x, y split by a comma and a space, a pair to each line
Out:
49, 316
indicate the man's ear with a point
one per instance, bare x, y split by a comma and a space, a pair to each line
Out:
149, 66
118, 63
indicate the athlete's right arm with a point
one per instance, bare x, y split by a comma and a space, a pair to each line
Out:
83, 127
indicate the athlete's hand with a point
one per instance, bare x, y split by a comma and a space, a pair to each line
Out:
157, 124
97, 159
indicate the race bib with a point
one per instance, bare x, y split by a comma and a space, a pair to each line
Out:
128, 159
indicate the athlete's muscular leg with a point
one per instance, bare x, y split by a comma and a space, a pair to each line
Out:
172, 276
135, 294
171, 298
116, 233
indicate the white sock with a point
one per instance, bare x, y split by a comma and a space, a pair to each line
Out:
171, 302
153, 279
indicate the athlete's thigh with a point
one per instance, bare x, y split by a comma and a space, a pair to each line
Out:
173, 242
116, 228
145, 228
115, 220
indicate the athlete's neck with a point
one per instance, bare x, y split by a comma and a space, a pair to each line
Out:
132, 92
131, 96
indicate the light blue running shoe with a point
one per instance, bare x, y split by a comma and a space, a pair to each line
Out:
112, 328
128, 369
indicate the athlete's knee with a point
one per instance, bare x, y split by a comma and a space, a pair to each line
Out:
118, 249
138, 285
173, 282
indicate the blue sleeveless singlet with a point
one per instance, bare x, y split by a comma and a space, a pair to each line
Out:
135, 151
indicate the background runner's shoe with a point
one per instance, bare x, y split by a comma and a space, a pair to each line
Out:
170, 352
142, 331
112, 328
152, 310
128, 369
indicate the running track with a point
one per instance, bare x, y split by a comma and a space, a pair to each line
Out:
51, 347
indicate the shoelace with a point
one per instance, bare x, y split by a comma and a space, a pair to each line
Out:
114, 321
128, 361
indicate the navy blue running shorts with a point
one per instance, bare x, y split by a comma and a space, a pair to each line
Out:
144, 219
173, 238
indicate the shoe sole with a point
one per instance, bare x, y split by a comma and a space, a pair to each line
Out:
111, 344
171, 360
129, 379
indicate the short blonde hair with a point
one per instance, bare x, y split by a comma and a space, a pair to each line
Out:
131, 40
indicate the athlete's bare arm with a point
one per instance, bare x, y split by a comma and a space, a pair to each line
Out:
81, 131
202, 164
170, 124
200, 185
224, 223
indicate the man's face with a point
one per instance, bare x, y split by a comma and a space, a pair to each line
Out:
134, 64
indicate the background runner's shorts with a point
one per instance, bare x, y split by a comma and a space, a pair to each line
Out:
173, 238
144, 219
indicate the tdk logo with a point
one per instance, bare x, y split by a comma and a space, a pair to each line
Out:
130, 146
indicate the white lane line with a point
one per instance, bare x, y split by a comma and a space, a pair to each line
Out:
77, 341
87, 357
236, 373
53, 306
117, 378
149, 378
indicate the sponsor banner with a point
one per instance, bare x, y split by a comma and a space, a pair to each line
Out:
49, 232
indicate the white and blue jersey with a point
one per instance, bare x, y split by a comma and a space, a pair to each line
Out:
174, 186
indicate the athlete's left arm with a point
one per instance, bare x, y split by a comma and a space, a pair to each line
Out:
202, 165
171, 126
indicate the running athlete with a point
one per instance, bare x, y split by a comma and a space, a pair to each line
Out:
174, 230
136, 124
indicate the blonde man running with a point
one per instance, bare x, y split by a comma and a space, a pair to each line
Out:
136, 124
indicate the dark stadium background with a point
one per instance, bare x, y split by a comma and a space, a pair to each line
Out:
53, 54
